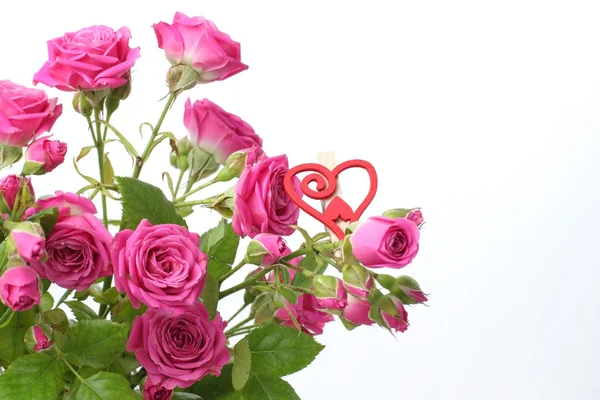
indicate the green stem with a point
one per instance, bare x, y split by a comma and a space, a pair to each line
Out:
107, 311
181, 173
146, 154
194, 203
299, 289
242, 308
239, 325
199, 188
63, 297
91, 127
233, 271
248, 282
242, 331
80, 377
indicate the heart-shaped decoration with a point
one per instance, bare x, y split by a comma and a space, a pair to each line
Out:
326, 183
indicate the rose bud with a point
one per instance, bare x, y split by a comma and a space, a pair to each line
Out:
357, 280
236, 163
265, 249
385, 242
9, 186
81, 105
37, 338
198, 51
43, 155
20, 288
416, 216
357, 311
408, 290
307, 314
154, 390
330, 293
27, 238
393, 313
179, 158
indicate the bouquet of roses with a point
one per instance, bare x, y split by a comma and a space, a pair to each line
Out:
139, 316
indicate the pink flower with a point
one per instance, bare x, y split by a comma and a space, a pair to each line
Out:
330, 293
29, 241
25, 113
274, 245
156, 391
9, 186
20, 288
385, 242
261, 203
41, 340
92, 58
78, 252
307, 313
179, 350
218, 132
357, 280
394, 315
357, 311
416, 216
43, 155
161, 266
67, 204
197, 43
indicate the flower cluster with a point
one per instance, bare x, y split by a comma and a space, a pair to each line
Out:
157, 330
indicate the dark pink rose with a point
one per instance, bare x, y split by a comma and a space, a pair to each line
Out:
43, 155
179, 349
274, 245
41, 339
218, 132
156, 391
261, 203
20, 288
160, 266
67, 204
25, 113
197, 43
357, 311
78, 252
394, 314
92, 58
416, 216
385, 242
307, 313
9, 186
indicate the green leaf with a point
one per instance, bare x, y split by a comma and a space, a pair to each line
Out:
95, 342
12, 343
241, 364
47, 219
128, 146
109, 172
216, 388
185, 396
124, 311
268, 388
84, 152
210, 295
81, 311
105, 386
57, 319
220, 244
47, 302
281, 350
125, 364
9, 155
33, 377
144, 201
309, 263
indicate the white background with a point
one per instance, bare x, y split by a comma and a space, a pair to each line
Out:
483, 113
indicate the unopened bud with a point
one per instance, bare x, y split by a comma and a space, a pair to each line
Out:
27, 239
181, 77
357, 280
179, 156
330, 293
408, 290
82, 105
393, 314
37, 338
202, 164
416, 216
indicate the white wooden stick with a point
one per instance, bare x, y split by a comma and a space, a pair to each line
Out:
327, 159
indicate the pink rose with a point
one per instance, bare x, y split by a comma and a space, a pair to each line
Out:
330, 293
92, 58
274, 245
385, 242
357, 280
41, 339
156, 391
43, 155
9, 186
67, 204
416, 216
25, 113
218, 132
306, 311
261, 204
78, 252
357, 311
20, 288
161, 266
197, 43
179, 350
394, 315
29, 241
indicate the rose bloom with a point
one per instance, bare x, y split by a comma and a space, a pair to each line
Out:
92, 58
197, 43
67, 204
78, 247
9, 186
179, 350
48, 154
156, 391
385, 242
218, 132
20, 288
25, 113
161, 266
261, 203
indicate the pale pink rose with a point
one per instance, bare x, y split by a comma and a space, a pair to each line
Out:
67, 204
92, 58
43, 155
9, 186
160, 266
307, 313
42, 341
398, 319
25, 113
197, 43
416, 216
357, 311
385, 242
218, 132
261, 203
78, 252
20, 288
30, 245
179, 349
154, 390
274, 244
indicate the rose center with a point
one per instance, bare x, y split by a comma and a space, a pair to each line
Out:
396, 243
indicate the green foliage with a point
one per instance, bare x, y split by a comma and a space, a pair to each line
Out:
124, 311
12, 343
220, 244
309, 263
241, 364
144, 201
210, 295
216, 388
81, 310
33, 377
104, 386
95, 342
268, 388
47, 219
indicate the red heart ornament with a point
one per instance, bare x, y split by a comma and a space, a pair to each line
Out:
326, 181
